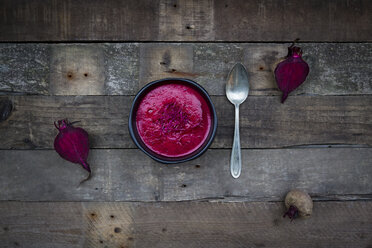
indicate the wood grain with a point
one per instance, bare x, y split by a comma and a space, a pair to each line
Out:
25, 68
129, 175
166, 60
184, 224
77, 70
41, 225
133, 201
165, 20
311, 20
186, 20
265, 123
123, 68
70, 20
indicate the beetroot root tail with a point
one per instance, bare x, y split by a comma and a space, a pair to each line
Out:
86, 179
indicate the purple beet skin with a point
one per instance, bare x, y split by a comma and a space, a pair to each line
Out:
72, 144
291, 72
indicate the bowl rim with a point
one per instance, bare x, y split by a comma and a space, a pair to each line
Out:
213, 127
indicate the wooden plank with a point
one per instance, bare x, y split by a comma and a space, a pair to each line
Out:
334, 68
122, 68
117, 175
122, 65
311, 20
129, 175
186, 20
24, 68
69, 69
70, 20
30, 125
77, 70
184, 224
42, 225
265, 123
166, 60
181, 20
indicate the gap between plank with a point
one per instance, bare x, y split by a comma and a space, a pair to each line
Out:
229, 199
325, 146
177, 41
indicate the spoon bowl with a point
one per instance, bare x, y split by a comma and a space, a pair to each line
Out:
237, 87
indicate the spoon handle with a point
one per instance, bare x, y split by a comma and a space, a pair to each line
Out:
236, 160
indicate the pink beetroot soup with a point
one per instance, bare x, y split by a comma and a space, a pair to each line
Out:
173, 120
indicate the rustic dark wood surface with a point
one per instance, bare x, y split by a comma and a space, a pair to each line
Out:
319, 141
123, 68
127, 175
186, 224
265, 122
183, 20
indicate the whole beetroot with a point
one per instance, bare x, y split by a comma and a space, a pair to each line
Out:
298, 204
72, 144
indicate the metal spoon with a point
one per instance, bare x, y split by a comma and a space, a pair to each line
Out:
237, 88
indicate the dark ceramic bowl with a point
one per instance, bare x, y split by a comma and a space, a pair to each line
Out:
141, 145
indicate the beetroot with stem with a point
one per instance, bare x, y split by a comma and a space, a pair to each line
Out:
72, 144
291, 72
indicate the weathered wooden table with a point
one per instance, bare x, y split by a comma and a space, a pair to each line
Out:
85, 60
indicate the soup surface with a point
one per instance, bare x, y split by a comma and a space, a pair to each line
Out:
173, 120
